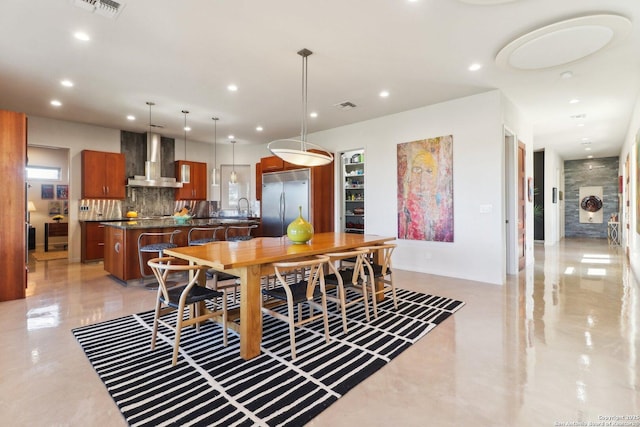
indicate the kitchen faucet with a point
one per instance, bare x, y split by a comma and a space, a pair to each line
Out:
248, 208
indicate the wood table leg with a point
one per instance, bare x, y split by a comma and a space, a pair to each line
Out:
250, 312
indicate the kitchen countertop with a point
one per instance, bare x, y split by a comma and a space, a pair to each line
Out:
138, 223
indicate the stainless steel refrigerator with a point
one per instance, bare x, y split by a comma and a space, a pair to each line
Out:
282, 194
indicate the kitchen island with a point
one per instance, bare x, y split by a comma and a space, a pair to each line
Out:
121, 240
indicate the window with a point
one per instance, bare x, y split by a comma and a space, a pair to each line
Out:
43, 173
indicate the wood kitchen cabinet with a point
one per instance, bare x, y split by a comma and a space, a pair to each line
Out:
92, 242
13, 233
276, 164
115, 252
196, 189
103, 175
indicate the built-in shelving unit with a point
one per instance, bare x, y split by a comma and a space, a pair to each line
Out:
353, 182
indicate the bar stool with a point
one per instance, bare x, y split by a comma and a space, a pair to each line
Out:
240, 232
195, 236
157, 247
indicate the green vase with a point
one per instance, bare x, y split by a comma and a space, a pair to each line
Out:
300, 231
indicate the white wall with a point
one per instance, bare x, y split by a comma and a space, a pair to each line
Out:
475, 122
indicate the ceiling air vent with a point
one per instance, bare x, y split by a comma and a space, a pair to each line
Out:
108, 8
346, 105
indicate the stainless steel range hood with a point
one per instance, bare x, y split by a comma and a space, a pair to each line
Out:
153, 167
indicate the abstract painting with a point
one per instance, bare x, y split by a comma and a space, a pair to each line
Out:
425, 189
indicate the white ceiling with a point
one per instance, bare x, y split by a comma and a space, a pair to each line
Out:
183, 54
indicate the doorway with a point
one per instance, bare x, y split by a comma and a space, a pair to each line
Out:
515, 196
48, 200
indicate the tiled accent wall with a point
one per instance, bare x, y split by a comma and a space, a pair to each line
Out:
601, 172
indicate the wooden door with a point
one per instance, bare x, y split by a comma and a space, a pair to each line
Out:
13, 233
522, 194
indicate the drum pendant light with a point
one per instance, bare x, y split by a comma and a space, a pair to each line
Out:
233, 177
297, 151
185, 170
214, 172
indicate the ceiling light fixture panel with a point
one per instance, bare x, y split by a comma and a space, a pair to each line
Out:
563, 42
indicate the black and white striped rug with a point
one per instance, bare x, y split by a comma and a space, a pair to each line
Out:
212, 386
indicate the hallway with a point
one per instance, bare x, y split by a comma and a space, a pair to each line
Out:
557, 344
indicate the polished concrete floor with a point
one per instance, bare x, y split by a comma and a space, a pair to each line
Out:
558, 345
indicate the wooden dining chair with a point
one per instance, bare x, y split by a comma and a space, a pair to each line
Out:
299, 293
352, 277
380, 261
180, 298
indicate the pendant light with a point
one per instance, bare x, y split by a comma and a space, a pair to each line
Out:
185, 170
214, 173
148, 164
294, 151
233, 177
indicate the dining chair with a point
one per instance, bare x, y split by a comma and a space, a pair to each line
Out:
380, 261
296, 294
188, 296
202, 235
235, 233
352, 277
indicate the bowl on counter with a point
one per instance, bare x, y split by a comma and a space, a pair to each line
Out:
181, 219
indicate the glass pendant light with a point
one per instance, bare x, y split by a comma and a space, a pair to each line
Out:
233, 177
214, 172
148, 164
185, 170
297, 151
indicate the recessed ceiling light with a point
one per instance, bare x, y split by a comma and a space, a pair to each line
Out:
187, 128
81, 35
474, 67
587, 149
574, 101
313, 114
232, 88
56, 103
384, 94
231, 137
566, 75
259, 128
66, 83
590, 156
130, 117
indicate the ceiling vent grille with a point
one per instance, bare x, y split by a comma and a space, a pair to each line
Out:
108, 8
346, 105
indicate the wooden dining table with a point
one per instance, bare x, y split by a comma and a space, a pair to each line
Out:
250, 260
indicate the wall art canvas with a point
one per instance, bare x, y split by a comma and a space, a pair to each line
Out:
637, 152
46, 191
425, 189
62, 192
590, 205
